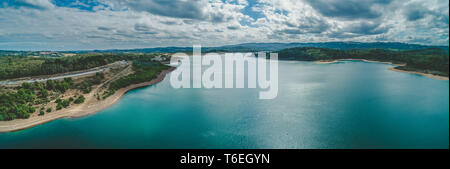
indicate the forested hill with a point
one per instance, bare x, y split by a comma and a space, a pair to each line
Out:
16, 67
255, 47
431, 60
244, 47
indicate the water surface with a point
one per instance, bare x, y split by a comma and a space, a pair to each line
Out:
349, 104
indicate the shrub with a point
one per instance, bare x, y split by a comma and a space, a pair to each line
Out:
65, 103
59, 106
79, 100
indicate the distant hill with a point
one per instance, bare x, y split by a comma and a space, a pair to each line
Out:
255, 47
247, 47
429, 60
333, 45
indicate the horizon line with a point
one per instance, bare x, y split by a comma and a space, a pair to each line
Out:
77, 50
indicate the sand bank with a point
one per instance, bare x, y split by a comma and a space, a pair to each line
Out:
420, 73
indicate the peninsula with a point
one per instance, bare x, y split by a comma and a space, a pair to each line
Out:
30, 101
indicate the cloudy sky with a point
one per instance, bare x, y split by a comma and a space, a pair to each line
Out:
108, 24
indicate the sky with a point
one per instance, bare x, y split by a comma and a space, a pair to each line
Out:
125, 24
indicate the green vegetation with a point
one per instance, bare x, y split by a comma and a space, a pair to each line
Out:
85, 86
143, 73
433, 60
65, 103
60, 86
107, 93
16, 67
59, 106
79, 100
17, 104
20, 104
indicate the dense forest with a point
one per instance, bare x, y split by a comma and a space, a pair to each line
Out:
432, 60
16, 67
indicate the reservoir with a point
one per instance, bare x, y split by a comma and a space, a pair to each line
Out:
348, 104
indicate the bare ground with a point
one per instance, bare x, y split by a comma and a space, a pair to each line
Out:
90, 106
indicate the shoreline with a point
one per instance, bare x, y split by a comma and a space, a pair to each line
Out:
364, 60
437, 77
76, 111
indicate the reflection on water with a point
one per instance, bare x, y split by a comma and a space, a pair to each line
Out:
349, 104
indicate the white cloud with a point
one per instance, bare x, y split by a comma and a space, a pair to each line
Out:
37, 4
139, 24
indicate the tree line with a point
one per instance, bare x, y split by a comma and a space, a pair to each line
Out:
16, 67
434, 59
143, 72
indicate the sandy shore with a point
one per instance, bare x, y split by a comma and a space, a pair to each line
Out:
90, 106
420, 73
372, 61
326, 61
392, 68
365, 60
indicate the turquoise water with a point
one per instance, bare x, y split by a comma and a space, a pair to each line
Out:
349, 104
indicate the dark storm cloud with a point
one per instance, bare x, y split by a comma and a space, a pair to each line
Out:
348, 9
413, 15
415, 12
363, 28
306, 25
367, 28
171, 8
440, 20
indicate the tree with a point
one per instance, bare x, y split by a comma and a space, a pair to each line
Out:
26, 85
59, 106
49, 110
79, 100
43, 93
50, 85
65, 103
